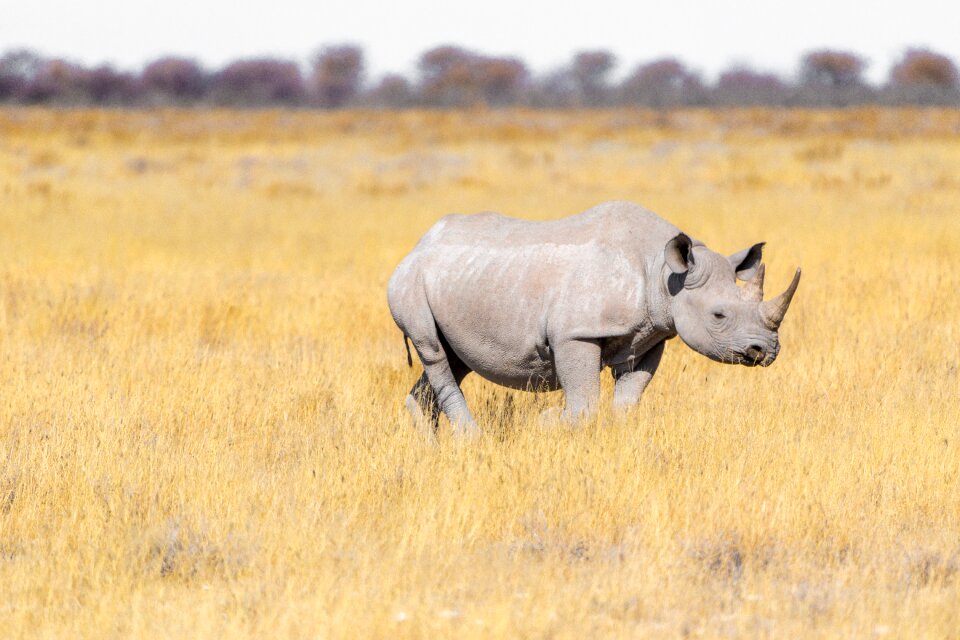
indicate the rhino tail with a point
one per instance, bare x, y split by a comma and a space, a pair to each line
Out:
407, 345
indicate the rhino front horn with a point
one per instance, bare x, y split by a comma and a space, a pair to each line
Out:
774, 310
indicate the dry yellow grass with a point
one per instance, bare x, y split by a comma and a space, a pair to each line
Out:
201, 432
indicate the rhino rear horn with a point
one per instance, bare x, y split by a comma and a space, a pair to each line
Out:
753, 290
773, 311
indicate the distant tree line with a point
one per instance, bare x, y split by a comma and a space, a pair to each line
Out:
450, 77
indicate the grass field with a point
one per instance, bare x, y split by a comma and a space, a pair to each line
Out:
201, 425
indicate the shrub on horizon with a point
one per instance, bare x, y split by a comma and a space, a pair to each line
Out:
662, 83
258, 82
337, 75
174, 80
18, 68
923, 76
590, 71
742, 86
833, 78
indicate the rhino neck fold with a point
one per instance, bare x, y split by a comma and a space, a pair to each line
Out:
658, 299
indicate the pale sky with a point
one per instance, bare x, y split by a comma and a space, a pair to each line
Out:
708, 36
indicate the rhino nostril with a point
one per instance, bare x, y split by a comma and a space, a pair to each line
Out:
755, 352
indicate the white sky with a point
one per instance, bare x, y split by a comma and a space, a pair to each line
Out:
708, 36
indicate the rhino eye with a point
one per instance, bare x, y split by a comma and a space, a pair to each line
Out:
719, 315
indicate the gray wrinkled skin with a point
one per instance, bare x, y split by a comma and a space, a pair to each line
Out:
548, 305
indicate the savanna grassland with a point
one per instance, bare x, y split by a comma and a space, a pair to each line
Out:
201, 423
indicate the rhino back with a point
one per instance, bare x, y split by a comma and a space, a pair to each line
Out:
619, 225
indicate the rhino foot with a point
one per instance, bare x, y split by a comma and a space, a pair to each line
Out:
466, 431
552, 417
422, 422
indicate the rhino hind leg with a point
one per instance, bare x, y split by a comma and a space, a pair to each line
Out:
438, 389
422, 403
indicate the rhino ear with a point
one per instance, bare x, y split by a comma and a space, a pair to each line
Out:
745, 262
678, 253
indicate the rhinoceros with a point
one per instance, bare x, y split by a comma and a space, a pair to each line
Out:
547, 305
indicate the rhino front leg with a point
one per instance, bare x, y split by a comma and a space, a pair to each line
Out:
632, 382
578, 370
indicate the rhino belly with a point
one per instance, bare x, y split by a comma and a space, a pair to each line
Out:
514, 360
515, 369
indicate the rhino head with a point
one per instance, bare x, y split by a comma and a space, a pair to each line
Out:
713, 315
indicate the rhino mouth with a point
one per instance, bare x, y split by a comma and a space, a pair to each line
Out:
751, 357
757, 357
740, 358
